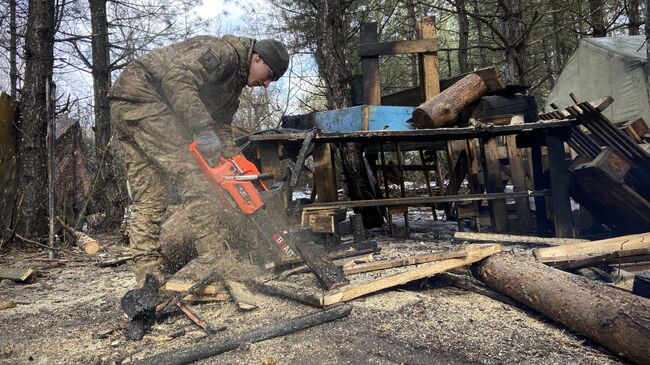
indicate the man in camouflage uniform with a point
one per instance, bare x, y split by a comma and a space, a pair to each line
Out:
159, 105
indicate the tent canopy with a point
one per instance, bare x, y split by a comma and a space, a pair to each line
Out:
608, 66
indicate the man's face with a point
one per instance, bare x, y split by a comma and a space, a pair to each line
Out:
259, 73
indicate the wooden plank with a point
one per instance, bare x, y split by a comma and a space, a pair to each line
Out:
476, 237
518, 176
617, 257
397, 47
562, 217
635, 129
403, 261
18, 274
370, 67
429, 78
324, 173
329, 275
629, 242
494, 184
474, 254
537, 168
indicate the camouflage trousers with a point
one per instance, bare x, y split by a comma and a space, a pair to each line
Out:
157, 156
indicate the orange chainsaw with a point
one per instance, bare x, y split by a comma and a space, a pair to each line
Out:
240, 184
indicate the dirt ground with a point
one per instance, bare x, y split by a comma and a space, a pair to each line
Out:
71, 315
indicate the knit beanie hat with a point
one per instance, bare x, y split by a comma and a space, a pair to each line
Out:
274, 54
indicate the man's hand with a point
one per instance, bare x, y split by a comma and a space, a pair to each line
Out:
209, 145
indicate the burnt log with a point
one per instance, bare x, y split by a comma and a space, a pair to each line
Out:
443, 109
617, 320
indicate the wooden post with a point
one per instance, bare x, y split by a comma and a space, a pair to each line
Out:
370, 67
518, 176
269, 157
398, 153
494, 184
538, 184
324, 173
559, 187
428, 181
429, 78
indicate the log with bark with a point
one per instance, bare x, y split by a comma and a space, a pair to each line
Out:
617, 320
443, 109
88, 244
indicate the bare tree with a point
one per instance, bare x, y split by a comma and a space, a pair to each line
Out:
31, 209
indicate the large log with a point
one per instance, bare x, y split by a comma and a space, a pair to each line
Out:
617, 320
443, 109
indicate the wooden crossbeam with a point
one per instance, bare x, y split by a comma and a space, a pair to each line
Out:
397, 47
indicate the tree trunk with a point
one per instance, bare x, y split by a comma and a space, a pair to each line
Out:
109, 196
515, 41
634, 22
616, 319
597, 18
31, 206
333, 69
479, 35
412, 24
463, 37
13, 67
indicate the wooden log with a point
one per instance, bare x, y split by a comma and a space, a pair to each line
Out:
330, 275
89, 245
224, 344
476, 237
615, 319
590, 248
443, 109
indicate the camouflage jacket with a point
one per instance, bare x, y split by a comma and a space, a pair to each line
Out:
200, 79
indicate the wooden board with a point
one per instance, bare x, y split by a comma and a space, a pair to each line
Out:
582, 249
354, 291
324, 173
402, 261
18, 274
429, 77
476, 237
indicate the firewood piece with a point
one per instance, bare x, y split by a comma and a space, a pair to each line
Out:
18, 274
617, 320
198, 319
224, 344
7, 304
641, 286
83, 241
329, 275
403, 261
115, 262
474, 254
443, 109
635, 129
585, 249
477, 237
241, 295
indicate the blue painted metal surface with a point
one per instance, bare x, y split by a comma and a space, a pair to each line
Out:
365, 118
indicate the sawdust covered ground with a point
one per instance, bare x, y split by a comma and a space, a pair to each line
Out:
71, 315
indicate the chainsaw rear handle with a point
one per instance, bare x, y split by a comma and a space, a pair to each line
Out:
232, 176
